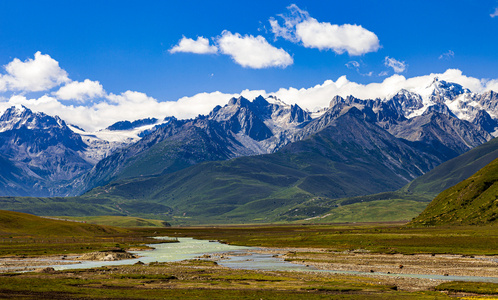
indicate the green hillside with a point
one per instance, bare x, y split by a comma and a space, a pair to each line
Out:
121, 221
453, 171
351, 158
21, 224
473, 201
406, 203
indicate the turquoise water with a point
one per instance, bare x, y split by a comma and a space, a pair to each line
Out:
186, 248
241, 258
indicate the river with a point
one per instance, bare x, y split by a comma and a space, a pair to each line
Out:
238, 257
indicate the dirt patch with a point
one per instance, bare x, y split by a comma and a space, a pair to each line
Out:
107, 256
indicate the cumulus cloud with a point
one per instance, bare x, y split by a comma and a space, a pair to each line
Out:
495, 13
247, 51
353, 39
447, 55
253, 52
33, 75
398, 66
298, 26
199, 46
492, 85
80, 91
132, 105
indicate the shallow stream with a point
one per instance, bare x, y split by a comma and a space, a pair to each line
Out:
239, 257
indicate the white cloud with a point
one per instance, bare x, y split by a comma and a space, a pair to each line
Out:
398, 66
353, 39
353, 65
320, 95
447, 55
33, 75
288, 30
199, 46
253, 52
80, 90
492, 85
495, 13
132, 105
298, 26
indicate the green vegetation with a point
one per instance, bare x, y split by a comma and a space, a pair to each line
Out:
453, 171
472, 201
305, 184
329, 165
186, 280
264, 188
120, 221
485, 288
382, 238
205, 279
27, 235
376, 211
21, 224
383, 207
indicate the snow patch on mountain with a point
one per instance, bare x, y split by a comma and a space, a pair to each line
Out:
104, 142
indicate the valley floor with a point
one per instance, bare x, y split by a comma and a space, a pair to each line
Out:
370, 248
377, 264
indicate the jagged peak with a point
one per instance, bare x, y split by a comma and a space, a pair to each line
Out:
439, 108
402, 92
274, 100
17, 110
439, 86
241, 101
336, 100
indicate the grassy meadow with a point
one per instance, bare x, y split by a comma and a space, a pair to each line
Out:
23, 235
197, 280
375, 237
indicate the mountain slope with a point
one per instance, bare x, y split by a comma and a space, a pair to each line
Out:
453, 171
441, 134
470, 202
406, 203
240, 128
21, 224
350, 157
44, 154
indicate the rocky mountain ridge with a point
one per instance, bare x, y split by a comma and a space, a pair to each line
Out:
441, 120
43, 153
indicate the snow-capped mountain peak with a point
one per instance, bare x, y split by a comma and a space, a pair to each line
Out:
18, 116
440, 91
274, 100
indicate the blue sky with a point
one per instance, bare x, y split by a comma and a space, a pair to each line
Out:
127, 46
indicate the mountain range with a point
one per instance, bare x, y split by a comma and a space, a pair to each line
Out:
261, 153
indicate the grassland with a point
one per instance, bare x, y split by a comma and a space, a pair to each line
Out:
375, 237
472, 201
196, 280
24, 235
27, 235
120, 221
